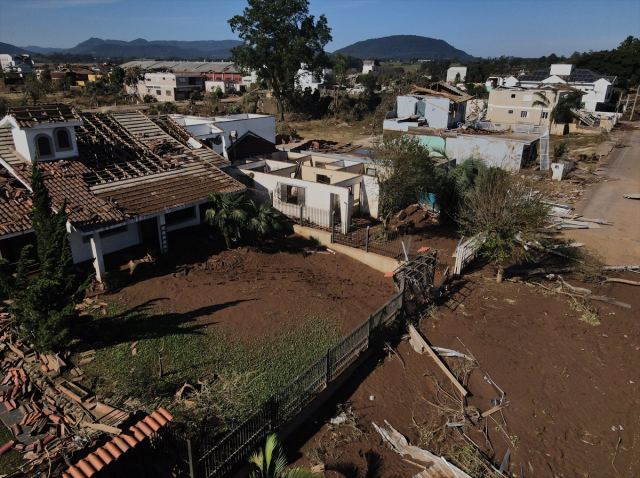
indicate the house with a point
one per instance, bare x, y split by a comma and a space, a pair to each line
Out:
220, 132
313, 186
20, 64
454, 71
440, 106
495, 81
598, 88
503, 148
311, 79
513, 105
167, 86
126, 180
226, 87
374, 68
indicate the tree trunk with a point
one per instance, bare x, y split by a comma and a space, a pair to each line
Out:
500, 274
279, 108
227, 239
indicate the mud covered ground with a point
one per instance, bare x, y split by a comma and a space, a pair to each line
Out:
572, 388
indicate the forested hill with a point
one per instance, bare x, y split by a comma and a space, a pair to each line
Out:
405, 47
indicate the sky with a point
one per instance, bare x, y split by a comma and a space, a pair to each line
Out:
489, 28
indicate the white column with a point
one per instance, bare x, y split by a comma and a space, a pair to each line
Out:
98, 261
162, 235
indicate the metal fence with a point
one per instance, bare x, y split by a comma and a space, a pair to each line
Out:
216, 458
396, 244
305, 215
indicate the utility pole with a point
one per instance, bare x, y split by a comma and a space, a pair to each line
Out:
634, 102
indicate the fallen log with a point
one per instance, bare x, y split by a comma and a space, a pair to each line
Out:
608, 300
622, 281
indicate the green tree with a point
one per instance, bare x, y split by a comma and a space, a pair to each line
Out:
452, 185
562, 110
543, 101
228, 213
368, 82
271, 462
262, 220
117, 78
405, 172
34, 89
507, 213
133, 75
4, 107
44, 306
278, 37
339, 71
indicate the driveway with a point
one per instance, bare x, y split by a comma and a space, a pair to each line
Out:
619, 244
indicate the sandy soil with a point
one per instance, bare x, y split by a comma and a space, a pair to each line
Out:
250, 293
573, 388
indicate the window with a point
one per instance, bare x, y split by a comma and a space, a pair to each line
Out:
168, 92
524, 114
107, 233
292, 194
62, 139
44, 146
179, 216
321, 178
182, 80
513, 95
510, 112
158, 92
544, 115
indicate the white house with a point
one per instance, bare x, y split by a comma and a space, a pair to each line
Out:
598, 88
220, 132
20, 64
132, 186
495, 81
313, 185
166, 86
454, 71
309, 79
226, 87
440, 106
374, 68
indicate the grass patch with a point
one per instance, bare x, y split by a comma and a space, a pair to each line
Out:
590, 318
248, 371
12, 460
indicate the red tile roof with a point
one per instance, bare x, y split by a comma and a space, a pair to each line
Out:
127, 167
119, 445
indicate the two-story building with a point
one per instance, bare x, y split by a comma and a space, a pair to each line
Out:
165, 86
440, 106
598, 88
374, 68
20, 64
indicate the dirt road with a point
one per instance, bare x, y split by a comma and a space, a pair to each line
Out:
619, 243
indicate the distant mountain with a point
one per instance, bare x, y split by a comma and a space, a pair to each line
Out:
141, 48
12, 49
405, 47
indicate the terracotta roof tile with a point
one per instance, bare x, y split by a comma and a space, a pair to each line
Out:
119, 445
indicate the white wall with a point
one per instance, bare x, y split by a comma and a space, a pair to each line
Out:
81, 251
453, 72
370, 196
24, 141
496, 152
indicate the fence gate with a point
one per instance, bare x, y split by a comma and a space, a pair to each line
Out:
465, 253
416, 278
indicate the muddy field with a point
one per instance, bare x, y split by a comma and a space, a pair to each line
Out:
250, 294
572, 388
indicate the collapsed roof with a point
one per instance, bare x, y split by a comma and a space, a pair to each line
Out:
127, 167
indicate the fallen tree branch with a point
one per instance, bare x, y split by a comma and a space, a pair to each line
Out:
622, 281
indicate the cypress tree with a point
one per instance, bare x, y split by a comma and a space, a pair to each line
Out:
44, 306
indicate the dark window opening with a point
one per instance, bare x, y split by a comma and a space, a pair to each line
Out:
193, 80
513, 95
158, 92
179, 216
510, 112
63, 140
108, 232
321, 178
292, 194
44, 146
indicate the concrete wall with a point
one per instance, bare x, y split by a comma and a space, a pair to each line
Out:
24, 141
370, 196
507, 106
436, 111
496, 152
81, 251
310, 173
453, 71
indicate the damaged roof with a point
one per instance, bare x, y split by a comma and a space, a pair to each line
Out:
28, 116
443, 89
127, 167
119, 445
15, 205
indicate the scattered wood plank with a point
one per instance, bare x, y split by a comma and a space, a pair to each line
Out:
492, 410
622, 281
102, 427
419, 341
608, 300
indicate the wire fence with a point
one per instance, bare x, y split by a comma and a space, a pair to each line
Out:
218, 457
394, 244
306, 215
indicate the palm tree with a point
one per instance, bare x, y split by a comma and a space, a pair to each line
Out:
271, 463
543, 101
228, 213
262, 220
563, 108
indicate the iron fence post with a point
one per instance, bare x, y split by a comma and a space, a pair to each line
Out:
366, 241
192, 460
301, 215
333, 225
328, 367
